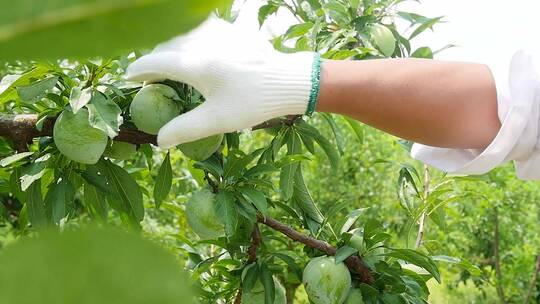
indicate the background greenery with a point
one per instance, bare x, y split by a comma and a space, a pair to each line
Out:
481, 231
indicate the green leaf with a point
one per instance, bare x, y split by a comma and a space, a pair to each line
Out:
163, 184
34, 171
308, 142
260, 169
250, 275
247, 211
351, 219
128, 194
212, 165
226, 211
8, 89
384, 39
97, 179
423, 52
86, 28
357, 128
256, 197
268, 282
233, 141
236, 163
57, 199
303, 198
14, 158
336, 131
368, 292
95, 201
288, 171
298, 30
330, 150
104, 114
15, 184
412, 17
343, 253
265, 11
417, 258
35, 207
34, 91
474, 270
79, 98
426, 24
290, 262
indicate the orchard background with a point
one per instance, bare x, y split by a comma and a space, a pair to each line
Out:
293, 189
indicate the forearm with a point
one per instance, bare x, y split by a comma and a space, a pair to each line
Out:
437, 103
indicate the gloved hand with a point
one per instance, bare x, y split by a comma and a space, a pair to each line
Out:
244, 80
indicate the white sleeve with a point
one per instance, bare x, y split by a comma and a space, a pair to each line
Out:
518, 94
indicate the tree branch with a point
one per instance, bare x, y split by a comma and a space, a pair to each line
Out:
354, 263
22, 129
252, 257
255, 243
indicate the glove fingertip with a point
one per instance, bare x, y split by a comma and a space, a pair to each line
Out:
165, 142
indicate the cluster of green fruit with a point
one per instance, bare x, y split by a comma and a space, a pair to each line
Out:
325, 281
152, 107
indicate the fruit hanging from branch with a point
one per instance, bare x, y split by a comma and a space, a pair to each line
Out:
77, 139
202, 149
154, 106
326, 282
201, 216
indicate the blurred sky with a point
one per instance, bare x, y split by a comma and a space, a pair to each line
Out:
487, 31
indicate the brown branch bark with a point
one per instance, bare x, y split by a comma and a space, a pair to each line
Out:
498, 270
252, 257
354, 263
534, 279
22, 129
255, 243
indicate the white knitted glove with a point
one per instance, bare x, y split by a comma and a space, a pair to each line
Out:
244, 80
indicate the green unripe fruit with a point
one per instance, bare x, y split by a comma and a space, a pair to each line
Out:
355, 297
201, 216
120, 150
357, 241
153, 107
202, 149
76, 139
325, 282
256, 294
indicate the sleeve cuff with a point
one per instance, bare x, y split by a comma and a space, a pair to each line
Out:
518, 103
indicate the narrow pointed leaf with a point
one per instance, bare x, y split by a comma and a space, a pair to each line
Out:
163, 184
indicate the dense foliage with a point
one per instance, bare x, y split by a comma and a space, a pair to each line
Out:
327, 178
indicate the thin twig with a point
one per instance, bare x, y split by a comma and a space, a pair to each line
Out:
354, 263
